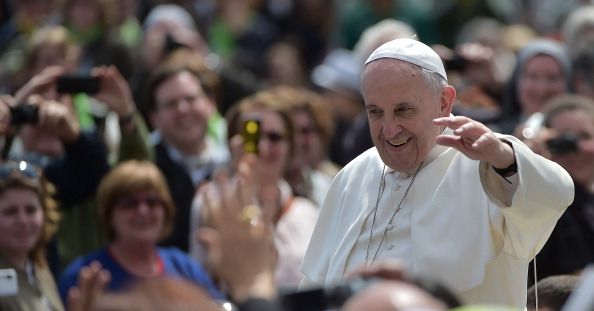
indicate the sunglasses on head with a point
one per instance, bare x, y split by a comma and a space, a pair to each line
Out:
20, 168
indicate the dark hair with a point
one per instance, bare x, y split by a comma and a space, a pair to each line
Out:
438, 291
583, 65
183, 60
553, 291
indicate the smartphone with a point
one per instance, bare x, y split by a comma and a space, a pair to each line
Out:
9, 285
251, 135
78, 84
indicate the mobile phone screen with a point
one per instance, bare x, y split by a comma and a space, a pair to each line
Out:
78, 84
251, 135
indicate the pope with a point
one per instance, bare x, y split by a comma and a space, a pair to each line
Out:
445, 195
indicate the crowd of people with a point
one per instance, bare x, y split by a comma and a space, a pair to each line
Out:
406, 157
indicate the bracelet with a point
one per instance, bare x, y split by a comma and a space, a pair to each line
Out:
510, 170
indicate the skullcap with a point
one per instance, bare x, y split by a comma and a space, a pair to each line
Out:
410, 51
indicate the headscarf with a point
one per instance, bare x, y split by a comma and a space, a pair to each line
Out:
512, 110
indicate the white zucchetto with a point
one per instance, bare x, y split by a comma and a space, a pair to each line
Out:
410, 51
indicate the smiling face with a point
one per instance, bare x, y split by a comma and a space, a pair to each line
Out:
540, 80
400, 107
21, 220
139, 217
182, 111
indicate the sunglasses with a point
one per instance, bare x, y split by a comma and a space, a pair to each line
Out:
272, 137
18, 168
132, 202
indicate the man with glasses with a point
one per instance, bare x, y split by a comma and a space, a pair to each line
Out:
182, 108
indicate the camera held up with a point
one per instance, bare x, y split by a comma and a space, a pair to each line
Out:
563, 144
24, 114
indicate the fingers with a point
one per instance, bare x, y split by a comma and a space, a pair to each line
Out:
471, 130
462, 126
452, 122
110, 72
54, 117
92, 280
211, 201
246, 174
236, 149
450, 141
211, 241
74, 300
467, 132
39, 83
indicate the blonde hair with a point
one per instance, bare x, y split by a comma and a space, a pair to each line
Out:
51, 217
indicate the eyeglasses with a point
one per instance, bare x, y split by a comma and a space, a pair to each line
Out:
132, 202
190, 100
22, 168
273, 137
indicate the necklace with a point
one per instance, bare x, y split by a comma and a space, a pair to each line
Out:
380, 192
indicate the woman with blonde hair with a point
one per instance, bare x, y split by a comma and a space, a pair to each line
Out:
28, 220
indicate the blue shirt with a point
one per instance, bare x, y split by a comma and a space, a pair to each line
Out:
175, 264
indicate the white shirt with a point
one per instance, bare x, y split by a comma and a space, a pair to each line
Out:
461, 223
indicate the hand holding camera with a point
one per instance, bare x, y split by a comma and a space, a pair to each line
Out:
114, 92
50, 115
549, 143
105, 83
42, 83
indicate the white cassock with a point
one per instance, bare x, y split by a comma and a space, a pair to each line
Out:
461, 223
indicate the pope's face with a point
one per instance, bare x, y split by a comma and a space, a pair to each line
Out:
401, 107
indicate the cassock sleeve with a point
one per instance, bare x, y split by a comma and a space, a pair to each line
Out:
542, 193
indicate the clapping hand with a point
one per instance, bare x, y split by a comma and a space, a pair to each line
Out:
92, 281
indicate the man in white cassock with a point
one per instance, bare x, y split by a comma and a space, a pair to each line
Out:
444, 194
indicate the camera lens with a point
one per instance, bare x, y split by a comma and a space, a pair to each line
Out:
563, 144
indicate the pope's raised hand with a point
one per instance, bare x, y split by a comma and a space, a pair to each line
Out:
475, 140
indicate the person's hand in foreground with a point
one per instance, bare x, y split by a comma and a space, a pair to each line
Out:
238, 240
92, 280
